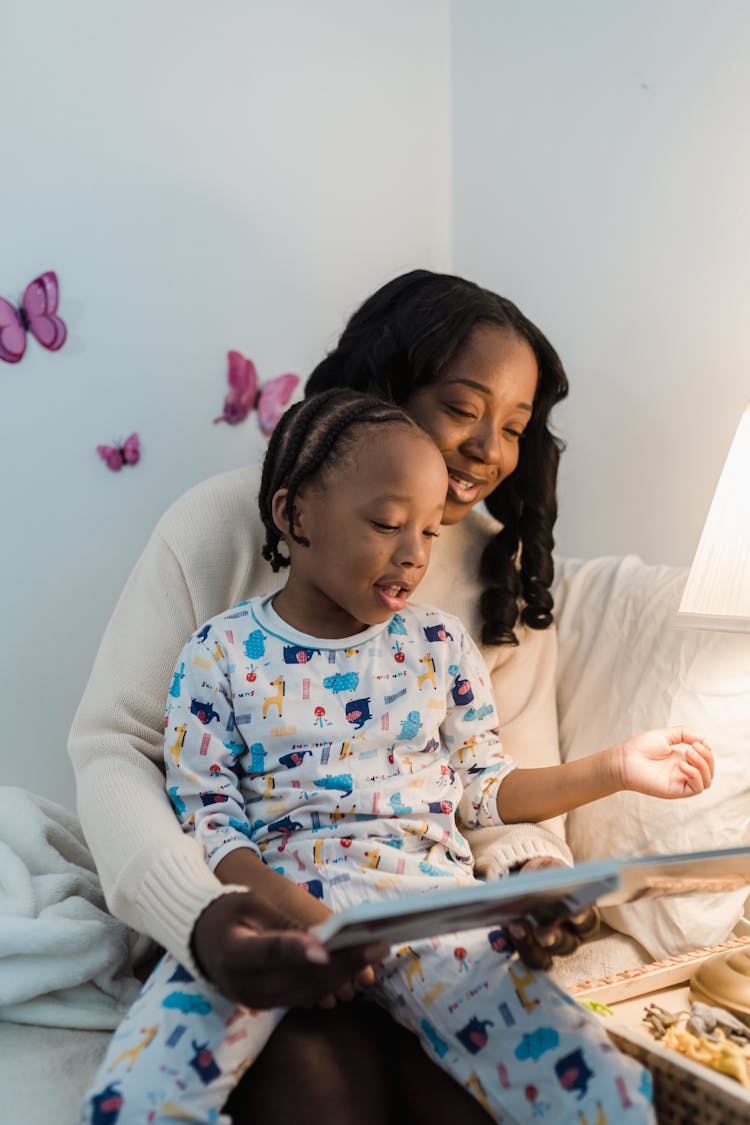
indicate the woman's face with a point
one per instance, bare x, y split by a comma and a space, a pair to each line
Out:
477, 413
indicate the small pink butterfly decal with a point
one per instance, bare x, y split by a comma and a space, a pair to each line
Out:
246, 394
115, 456
37, 314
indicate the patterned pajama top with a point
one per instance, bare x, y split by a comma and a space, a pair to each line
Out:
343, 760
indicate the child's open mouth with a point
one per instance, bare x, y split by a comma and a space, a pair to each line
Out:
393, 597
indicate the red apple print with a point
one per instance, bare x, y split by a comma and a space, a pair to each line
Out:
399, 658
251, 677
346, 841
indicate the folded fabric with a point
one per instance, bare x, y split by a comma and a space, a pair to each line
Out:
65, 961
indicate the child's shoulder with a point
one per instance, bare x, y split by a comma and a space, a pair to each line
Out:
232, 619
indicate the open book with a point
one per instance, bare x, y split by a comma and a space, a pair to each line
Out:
542, 897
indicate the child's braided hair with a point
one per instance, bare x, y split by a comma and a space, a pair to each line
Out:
310, 438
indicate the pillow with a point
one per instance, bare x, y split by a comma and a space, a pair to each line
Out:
625, 666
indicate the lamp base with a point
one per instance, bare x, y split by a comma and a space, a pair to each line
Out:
724, 982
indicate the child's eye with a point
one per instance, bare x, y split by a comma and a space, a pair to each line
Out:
432, 534
383, 526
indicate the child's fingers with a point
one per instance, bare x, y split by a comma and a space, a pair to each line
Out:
693, 778
701, 757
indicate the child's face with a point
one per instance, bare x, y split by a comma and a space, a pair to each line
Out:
370, 523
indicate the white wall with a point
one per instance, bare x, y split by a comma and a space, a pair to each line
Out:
602, 180
201, 177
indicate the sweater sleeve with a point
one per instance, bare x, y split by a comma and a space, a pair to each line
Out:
153, 876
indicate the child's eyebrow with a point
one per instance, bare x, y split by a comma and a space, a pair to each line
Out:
486, 391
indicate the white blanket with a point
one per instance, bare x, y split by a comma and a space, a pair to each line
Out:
64, 960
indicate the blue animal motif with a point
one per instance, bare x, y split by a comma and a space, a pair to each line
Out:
202, 634
255, 645
240, 826
475, 713
535, 1043
315, 887
499, 942
399, 808
177, 801
180, 974
204, 712
462, 693
474, 1035
204, 1063
443, 807
358, 712
397, 625
257, 758
342, 681
573, 1072
439, 1046
293, 654
410, 725
187, 1002
174, 690
433, 871
294, 758
342, 781
237, 749
285, 826
106, 1105
209, 799
436, 633
430, 747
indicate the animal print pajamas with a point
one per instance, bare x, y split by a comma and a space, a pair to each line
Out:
344, 765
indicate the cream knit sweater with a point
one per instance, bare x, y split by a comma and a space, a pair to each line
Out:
203, 557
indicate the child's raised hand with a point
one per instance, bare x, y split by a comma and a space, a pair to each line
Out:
670, 763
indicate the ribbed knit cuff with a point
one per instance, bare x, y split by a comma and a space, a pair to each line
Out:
174, 893
501, 850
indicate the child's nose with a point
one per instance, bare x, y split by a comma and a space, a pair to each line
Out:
411, 550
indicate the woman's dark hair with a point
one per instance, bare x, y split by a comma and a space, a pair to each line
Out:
311, 437
404, 337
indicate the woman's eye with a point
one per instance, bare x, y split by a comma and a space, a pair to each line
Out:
459, 412
515, 435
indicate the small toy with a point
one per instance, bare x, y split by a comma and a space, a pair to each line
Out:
37, 314
115, 456
246, 394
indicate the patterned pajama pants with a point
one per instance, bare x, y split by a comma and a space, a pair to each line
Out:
523, 1048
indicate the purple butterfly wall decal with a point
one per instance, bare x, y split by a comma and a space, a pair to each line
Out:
245, 394
115, 456
36, 314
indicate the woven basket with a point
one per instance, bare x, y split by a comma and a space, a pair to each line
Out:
685, 1092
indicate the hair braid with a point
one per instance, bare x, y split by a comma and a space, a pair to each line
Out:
310, 438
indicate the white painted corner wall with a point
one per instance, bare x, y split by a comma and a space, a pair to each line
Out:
242, 175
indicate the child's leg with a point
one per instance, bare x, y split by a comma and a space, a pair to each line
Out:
515, 1040
177, 1054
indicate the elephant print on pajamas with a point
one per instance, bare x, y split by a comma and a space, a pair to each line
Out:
204, 712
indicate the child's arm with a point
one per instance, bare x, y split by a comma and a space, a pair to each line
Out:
650, 763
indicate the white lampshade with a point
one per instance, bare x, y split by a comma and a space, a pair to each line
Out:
717, 594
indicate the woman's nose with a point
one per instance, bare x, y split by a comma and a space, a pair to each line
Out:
483, 443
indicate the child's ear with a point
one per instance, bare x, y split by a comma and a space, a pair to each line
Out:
278, 511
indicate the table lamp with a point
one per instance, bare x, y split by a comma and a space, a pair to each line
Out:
717, 596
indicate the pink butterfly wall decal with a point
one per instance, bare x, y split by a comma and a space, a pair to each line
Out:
115, 456
36, 314
246, 394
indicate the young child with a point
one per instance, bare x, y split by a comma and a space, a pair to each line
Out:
325, 744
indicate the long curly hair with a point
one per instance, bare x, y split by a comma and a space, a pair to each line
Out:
406, 336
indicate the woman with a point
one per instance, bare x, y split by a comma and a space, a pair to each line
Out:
482, 380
